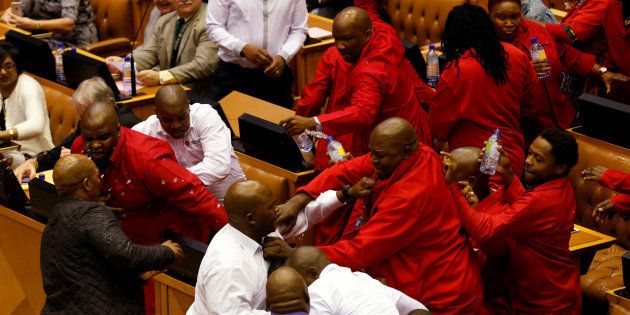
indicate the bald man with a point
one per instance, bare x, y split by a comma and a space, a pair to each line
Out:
287, 292
140, 174
233, 272
406, 230
338, 290
88, 264
200, 139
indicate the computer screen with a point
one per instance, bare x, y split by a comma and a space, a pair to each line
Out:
36, 54
78, 67
269, 142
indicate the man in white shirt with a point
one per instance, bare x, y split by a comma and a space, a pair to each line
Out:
337, 290
233, 272
200, 139
256, 40
287, 292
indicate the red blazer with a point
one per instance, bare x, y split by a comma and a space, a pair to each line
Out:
551, 107
409, 233
618, 37
469, 105
582, 27
619, 182
156, 192
537, 223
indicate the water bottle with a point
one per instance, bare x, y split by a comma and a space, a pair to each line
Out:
491, 154
538, 54
433, 67
61, 77
304, 142
126, 74
335, 150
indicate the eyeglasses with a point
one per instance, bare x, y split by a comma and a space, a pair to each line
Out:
8, 66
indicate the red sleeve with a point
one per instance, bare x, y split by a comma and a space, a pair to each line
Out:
338, 175
528, 106
77, 145
370, 6
616, 180
575, 60
583, 26
367, 89
621, 202
445, 110
393, 227
515, 219
315, 92
187, 193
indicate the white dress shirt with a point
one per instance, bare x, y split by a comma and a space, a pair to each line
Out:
341, 291
205, 150
278, 26
232, 276
314, 212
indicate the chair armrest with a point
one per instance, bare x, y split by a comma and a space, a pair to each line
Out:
119, 44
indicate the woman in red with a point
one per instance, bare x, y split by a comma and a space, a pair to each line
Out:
475, 96
582, 27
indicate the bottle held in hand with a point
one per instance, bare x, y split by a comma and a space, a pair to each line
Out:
491, 154
304, 142
335, 150
537, 52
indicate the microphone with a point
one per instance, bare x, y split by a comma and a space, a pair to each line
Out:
133, 41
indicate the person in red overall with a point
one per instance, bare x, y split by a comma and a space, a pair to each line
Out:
406, 230
583, 27
140, 175
614, 180
475, 96
535, 218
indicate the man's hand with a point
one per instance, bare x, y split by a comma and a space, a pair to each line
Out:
256, 55
503, 167
65, 151
594, 173
276, 67
541, 66
604, 211
609, 77
346, 157
287, 213
175, 248
361, 188
149, 77
297, 124
275, 247
26, 170
468, 193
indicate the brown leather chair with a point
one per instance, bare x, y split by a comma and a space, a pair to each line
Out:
114, 22
420, 21
63, 117
278, 185
605, 271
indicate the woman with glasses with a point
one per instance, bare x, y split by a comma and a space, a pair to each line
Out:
23, 113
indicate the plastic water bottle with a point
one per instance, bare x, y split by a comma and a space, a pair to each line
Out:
538, 54
335, 150
433, 67
61, 77
491, 154
126, 74
304, 142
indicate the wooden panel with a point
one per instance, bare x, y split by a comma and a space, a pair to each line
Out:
236, 104
21, 290
306, 60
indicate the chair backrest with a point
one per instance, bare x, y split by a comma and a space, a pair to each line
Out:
61, 112
113, 18
420, 21
278, 185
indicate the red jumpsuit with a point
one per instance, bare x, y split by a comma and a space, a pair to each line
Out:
408, 232
469, 105
582, 27
551, 107
619, 182
537, 224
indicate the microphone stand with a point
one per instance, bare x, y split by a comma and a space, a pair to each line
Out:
133, 63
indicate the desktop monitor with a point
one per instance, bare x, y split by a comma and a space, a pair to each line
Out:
269, 142
78, 67
187, 268
604, 119
12, 195
37, 56
44, 198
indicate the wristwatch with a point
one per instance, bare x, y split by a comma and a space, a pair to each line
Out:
602, 70
344, 192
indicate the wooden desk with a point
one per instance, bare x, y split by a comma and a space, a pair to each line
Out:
172, 296
308, 57
234, 105
617, 304
6, 27
584, 243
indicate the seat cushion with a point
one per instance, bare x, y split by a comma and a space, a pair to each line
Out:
604, 274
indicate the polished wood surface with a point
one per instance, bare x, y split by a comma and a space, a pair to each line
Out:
21, 290
5, 28
588, 240
308, 57
172, 296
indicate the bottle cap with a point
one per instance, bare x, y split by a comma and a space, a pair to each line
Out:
42, 176
59, 45
431, 47
329, 139
534, 40
127, 59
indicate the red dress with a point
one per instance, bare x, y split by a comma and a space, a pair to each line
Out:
582, 27
469, 105
407, 232
537, 224
619, 182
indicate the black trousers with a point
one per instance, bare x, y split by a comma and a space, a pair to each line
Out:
232, 77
